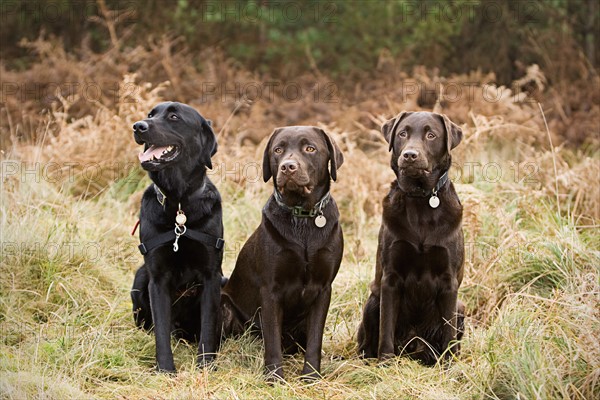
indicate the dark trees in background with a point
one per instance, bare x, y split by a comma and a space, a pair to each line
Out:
340, 38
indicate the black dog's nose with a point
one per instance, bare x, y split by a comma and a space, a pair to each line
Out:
289, 166
140, 126
410, 155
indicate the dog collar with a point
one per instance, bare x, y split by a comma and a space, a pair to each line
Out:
161, 197
434, 200
301, 212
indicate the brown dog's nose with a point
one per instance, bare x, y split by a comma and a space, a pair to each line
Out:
289, 167
140, 126
410, 155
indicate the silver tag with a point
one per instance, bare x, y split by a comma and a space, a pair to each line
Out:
434, 201
180, 218
320, 221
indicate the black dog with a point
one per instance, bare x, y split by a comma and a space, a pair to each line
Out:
181, 229
413, 307
283, 275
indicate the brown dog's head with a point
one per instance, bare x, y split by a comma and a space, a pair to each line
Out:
420, 143
297, 157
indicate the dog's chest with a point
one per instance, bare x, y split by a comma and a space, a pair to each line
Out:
420, 274
407, 258
301, 275
422, 278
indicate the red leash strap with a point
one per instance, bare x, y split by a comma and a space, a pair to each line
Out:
135, 227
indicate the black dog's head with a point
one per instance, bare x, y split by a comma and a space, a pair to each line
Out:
175, 136
420, 143
297, 157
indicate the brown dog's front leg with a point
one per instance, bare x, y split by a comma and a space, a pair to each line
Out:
160, 304
389, 308
449, 331
271, 315
314, 341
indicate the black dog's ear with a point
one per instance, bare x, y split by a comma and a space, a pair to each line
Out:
453, 132
389, 128
336, 158
267, 157
210, 144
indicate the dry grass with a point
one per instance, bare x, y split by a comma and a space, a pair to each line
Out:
532, 284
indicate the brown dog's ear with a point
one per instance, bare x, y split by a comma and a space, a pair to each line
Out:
210, 144
453, 132
336, 158
266, 156
389, 128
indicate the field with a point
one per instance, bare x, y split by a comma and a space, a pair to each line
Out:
70, 196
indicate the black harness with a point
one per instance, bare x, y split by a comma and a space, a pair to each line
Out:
180, 230
170, 236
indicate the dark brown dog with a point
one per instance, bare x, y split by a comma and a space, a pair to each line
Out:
413, 307
282, 279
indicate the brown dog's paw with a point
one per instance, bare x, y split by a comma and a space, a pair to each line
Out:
386, 357
310, 375
274, 374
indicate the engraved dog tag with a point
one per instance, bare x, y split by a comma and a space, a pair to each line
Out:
434, 201
320, 221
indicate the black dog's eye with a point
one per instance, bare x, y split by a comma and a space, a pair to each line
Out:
310, 149
431, 135
173, 116
150, 115
402, 134
277, 150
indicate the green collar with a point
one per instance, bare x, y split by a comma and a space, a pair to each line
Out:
299, 211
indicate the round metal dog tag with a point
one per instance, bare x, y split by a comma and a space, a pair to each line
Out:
434, 201
180, 218
320, 221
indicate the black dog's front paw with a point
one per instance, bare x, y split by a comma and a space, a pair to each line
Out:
170, 370
206, 360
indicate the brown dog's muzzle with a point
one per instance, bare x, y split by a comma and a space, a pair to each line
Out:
292, 176
413, 162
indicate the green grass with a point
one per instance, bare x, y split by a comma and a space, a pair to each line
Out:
532, 289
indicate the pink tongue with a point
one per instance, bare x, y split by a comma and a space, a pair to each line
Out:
150, 153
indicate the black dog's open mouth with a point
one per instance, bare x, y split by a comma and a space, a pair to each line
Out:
155, 154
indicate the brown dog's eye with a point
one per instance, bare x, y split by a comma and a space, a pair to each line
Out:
402, 134
431, 135
310, 149
277, 150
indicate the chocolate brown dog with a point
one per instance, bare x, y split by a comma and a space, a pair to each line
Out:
413, 307
282, 279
